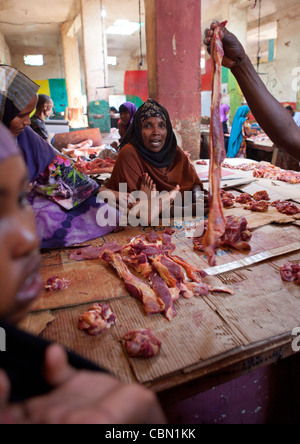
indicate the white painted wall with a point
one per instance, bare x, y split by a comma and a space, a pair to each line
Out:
5, 57
282, 72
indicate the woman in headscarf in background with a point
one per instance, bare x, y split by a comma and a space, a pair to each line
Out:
63, 199
127, 111
224, 110
149, 149
240, 131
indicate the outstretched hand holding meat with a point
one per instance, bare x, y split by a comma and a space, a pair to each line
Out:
234, 53
278, 125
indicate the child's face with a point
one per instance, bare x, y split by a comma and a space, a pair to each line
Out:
20, 281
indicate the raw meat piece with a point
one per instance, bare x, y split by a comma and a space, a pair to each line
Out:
170, 272
290, 272
152, 244
139, 262
261, 195
227, 199
216, 219
198, 289
193, 273
57, 283
135, 286
268, 171
285, 207
244, 198
260, 206
141, 343
236, 235
97, 166
96, 320
164, 293
89, 253
242, 167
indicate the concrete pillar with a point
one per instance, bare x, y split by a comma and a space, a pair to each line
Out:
95, 51
173, 32
72, 74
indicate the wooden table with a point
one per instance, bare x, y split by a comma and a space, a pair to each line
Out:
212, 339
265, 145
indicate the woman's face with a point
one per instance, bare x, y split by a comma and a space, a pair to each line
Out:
20, 281
154, 133
19, 123
125, 117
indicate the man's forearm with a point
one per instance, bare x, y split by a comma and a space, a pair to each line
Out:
269, 113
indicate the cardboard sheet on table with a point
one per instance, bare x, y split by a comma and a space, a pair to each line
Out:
204, 328
275, 188
263, 305
194, 335
95, 281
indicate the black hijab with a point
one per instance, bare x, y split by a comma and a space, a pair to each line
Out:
165, 157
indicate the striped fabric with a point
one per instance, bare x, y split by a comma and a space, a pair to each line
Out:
16, 88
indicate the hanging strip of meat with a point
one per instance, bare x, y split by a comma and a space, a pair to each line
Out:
216, 219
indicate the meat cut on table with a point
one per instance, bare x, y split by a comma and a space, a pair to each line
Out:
290, 272
96, 320
150, 271
260, 206
268, 171
97, 166
141, 343
236, 235
286, 207
57, 284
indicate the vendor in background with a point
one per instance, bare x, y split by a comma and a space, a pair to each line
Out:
150, 150
278, 124
240, 131
44, 110
294, 114
127, 111
224, 110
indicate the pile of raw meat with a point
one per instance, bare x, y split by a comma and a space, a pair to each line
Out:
97, 166
151, 272
258, 202
268, 171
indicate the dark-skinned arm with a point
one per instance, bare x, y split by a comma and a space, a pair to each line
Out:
273, 118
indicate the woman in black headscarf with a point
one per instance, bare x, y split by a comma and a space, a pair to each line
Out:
150, 148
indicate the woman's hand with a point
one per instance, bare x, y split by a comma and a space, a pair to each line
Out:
234, 53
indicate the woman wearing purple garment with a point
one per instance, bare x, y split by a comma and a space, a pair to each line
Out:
63, 199
127, 111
